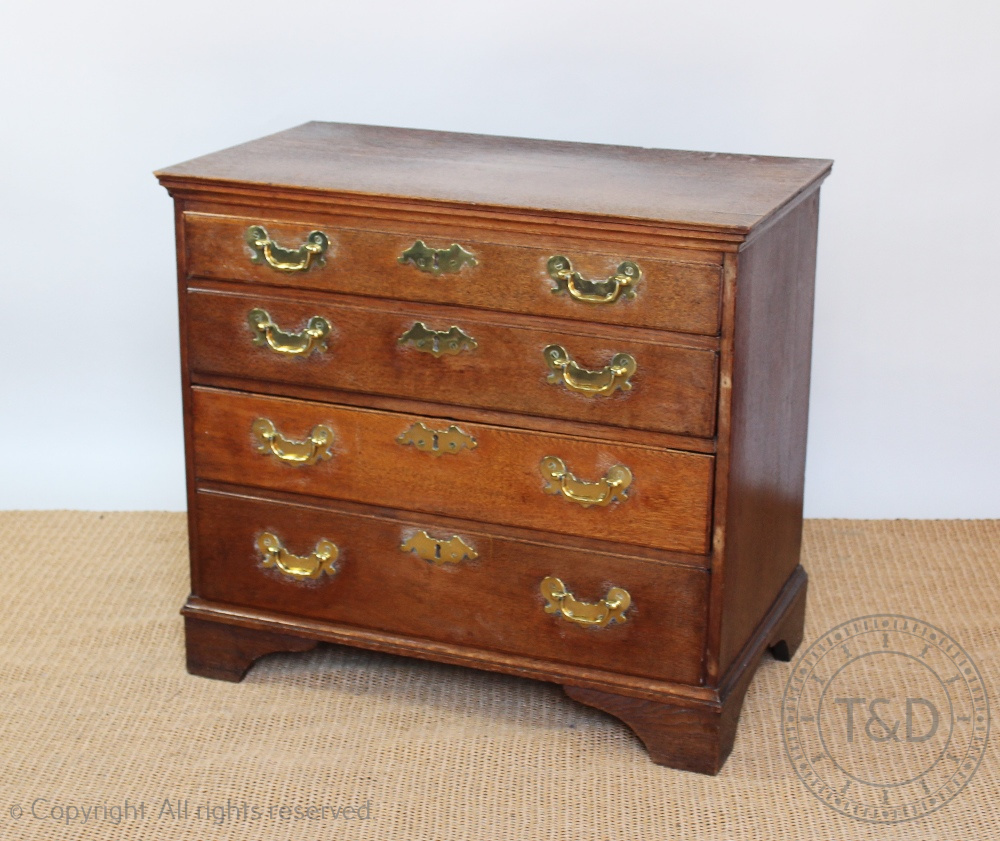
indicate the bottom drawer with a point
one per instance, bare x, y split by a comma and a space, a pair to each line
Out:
407, 576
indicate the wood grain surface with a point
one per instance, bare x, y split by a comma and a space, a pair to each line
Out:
699, 737
492, 601
673, 389
766, 447
497, 482
696, 190
713, 430
671, 294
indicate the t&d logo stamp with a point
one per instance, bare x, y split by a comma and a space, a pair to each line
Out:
885, 718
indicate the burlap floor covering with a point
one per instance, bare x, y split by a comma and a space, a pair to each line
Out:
97, 710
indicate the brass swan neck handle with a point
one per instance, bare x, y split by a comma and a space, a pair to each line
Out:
266, 250
612, 488
314, 448
267, 334
322, 560
620, 285
609, 609
600, 383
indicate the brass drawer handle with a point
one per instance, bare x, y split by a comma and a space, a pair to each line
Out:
438, 342
437, 442
608, 291
437, 261
322, 559
451, 551
584, 381
265, 249
267, 334
612, 488
299, 453
559, 600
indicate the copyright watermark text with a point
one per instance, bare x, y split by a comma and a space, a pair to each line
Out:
69, 812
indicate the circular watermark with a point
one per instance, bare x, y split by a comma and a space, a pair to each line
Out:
885, 718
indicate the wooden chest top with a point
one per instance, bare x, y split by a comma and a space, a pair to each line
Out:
689, 190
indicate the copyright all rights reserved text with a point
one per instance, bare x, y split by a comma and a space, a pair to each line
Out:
230, 811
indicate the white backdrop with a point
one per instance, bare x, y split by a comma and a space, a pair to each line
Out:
903, 94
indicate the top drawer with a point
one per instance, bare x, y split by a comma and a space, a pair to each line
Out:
614, 286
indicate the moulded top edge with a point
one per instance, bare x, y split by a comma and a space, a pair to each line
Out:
699, 190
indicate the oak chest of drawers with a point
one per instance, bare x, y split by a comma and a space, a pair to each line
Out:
526, 406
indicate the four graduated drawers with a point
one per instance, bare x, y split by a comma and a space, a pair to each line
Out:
527, 406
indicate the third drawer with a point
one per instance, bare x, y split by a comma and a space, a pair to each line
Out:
623, 493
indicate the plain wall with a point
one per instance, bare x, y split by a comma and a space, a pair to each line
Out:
905, 408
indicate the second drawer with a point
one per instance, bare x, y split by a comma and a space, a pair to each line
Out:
626, 493
460, 358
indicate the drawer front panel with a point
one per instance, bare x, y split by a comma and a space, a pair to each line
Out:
473, 471
458, 359
491, 598
669, 295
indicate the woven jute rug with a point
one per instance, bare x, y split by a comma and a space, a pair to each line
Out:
103, 735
